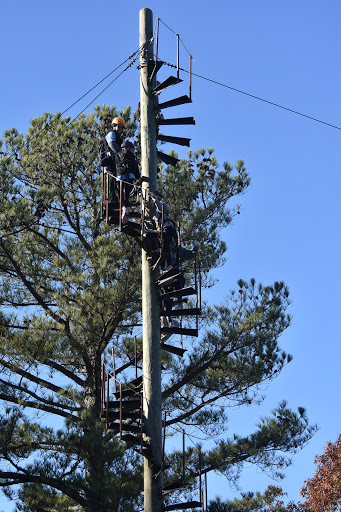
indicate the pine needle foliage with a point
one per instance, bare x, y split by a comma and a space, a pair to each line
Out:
70, 293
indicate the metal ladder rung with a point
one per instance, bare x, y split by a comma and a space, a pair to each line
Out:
126, 415
153, 67
163, 282
183, 506
181, 312
173, 486
135, 382
127, 392
179, 293
127, 404
174, 271
125, 427
130, 439
182, 141
180, 330
176, 120
173, 350
169, 82
174, 102
167, 159
146, 452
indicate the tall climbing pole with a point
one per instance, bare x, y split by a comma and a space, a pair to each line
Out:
150, 301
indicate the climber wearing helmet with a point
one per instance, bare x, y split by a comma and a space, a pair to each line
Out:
114, 138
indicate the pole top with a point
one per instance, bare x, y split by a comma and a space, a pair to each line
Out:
146, 11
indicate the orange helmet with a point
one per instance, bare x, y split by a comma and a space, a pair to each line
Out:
118, 120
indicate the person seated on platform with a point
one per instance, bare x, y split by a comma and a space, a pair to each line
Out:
127, 171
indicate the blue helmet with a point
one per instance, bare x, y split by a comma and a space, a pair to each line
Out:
128, 144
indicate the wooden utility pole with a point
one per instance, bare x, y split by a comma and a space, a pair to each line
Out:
150, 301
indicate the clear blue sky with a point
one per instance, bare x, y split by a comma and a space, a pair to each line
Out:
289, 227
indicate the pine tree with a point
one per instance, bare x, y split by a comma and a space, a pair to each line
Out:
70, 292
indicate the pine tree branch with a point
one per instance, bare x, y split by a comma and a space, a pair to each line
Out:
50, 244
30, 286
20, 478
71, 375
41, 407
74, 226
199, 367
32, 378
37, 397
195, 409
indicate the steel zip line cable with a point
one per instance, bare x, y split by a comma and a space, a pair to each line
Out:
257, 97
244, 92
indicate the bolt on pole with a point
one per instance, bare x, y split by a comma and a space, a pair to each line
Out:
150, 300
